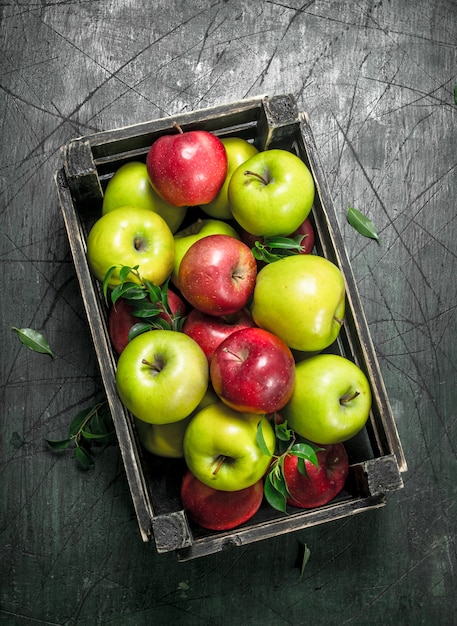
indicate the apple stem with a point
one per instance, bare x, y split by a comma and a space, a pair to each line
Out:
349, 396
220, 460
153, 366
338, 320
178, 127
259, 176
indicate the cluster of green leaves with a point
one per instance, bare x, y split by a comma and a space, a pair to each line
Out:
91, 428
148, 301
287, 442
271, 249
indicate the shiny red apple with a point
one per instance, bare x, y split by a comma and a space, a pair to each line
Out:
187, 168
121, 318
209, 331
321, 483
217, 275
219, 510
253, 371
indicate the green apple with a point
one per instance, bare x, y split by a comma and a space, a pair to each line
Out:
300, 298
271, 193
131, 237
238, 151
130, 187
166, 440
331, 401
221, 449
162, 376
197, 230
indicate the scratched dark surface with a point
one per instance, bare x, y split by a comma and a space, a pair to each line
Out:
377, 80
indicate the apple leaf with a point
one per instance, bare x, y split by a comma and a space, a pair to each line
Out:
275, 498
283, 432
33, 340
362, 224
138, 329
261, 440
92, 426
272, 249
306, 451
305, 559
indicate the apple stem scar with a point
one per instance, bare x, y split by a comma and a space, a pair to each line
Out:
349, 396
220, 459
249, 173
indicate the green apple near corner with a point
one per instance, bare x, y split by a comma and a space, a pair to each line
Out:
131, 237
221, 449
300, 298
238, 151
331, 400
272, 193
162, 376
197, 230
130, 187
166, 440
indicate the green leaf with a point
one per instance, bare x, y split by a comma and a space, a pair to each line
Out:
78, 421
89, 435
106, 281
83, 456
59, 444
261, 440
305, 451
138, 329
33, 340
125, 271
283, 432
305, 559
274, 498
362, 224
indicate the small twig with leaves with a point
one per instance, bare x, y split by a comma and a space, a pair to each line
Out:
148, 302
90, 427
271, 249
287, 442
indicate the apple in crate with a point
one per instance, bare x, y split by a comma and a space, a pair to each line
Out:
300, 298
162, 376
271, 193
217, 275
197, 230
221, 447
331, 400
219, 510
132, 237
130, 187
121, 318
210, 330
187, 168
321, 482
238, 151
253, 371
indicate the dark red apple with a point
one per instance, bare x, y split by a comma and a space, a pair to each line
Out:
219, 510
121, 319
321, 483
217, 275
209, 331
253, 371
187, 168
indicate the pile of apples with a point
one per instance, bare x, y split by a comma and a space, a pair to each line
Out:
224, 328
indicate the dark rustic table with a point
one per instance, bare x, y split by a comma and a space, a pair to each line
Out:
377, 80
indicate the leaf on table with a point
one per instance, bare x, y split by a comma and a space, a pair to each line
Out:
305, 559
362, 224
33, 340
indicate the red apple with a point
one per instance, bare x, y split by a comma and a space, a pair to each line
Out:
187, 168
219, 510
121, 319
209, 331
253, 371
217, 275
321, 483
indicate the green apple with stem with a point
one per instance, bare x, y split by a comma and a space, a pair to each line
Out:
194, 232
221, 447
300, 298
238, 151
162, 376
272, 193
331, 400
130, 187
131, 237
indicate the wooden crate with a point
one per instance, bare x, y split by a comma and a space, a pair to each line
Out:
376, 456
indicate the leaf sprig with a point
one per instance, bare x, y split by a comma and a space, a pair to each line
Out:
271, 249
362, 224
148, 302
33, 340
287, 442
91, 427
